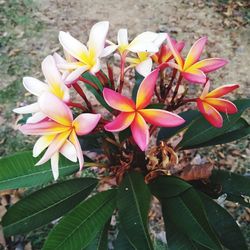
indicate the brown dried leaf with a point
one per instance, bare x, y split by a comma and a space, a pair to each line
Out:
197, 172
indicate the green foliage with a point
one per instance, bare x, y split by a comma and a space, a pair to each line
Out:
201, 131
235, 186
133, 206
80, 226
138, 79
189, 116
184, 212
223, 223
45, 205
19, 170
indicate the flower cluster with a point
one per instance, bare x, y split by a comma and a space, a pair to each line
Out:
151, 55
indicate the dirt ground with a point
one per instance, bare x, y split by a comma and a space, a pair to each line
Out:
29, 31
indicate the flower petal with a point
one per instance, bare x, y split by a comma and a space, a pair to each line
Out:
34, 86
31, 108
74, 140
43, 128
118, 101
97, 38
223, 90
55, 109
146, 89
195, 52
194, 76
75, 74
144, 43
175, 52
210, 113
121, 122
205, 90
222, 105
42, 143
96, 67
55, 165
85, 123
140, 132
59, 59
144, 68
161, 118
37, 117
122, 37
68, 150
109, 50
73, 46
210, 64
54, 147
50, 71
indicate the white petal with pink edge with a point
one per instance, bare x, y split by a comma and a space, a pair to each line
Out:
55, 109
31, 108
85, 123
68, 150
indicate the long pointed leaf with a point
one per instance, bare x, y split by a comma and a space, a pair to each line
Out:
227, 229
45, 205
19, 170
79, 227
133, 205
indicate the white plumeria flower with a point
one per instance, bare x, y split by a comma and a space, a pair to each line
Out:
143, 62
145, 42
61, 61
54, 84
88, 58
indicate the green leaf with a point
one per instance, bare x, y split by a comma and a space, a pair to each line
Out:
168, 186
80, 226
133, 201
138, 79
93, 79
189, 116
183, 209
99, 97
226, 228
201, 131
45, 205
239, 130
235, 186
122, 242
19, 171
101, 240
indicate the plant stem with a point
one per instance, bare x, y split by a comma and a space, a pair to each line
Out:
169, 87
77, 105
79, 90
111, 76
122, 73
176, 88
82, 79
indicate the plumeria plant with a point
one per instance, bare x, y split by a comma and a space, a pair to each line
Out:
97, 166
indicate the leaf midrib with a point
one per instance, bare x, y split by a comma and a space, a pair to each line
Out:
53, 205
33, 174
138, 209
87, 218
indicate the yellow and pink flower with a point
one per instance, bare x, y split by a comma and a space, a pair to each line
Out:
210, 103
54, 84
191, 68
135, 114
59, 132
88, 58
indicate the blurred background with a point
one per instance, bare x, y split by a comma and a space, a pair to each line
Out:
29, 31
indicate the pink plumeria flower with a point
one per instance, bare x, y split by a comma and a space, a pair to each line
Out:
165, 54
88, 58
59, 132
135, 115
54, 84
145, 42
210, 103
191, 68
